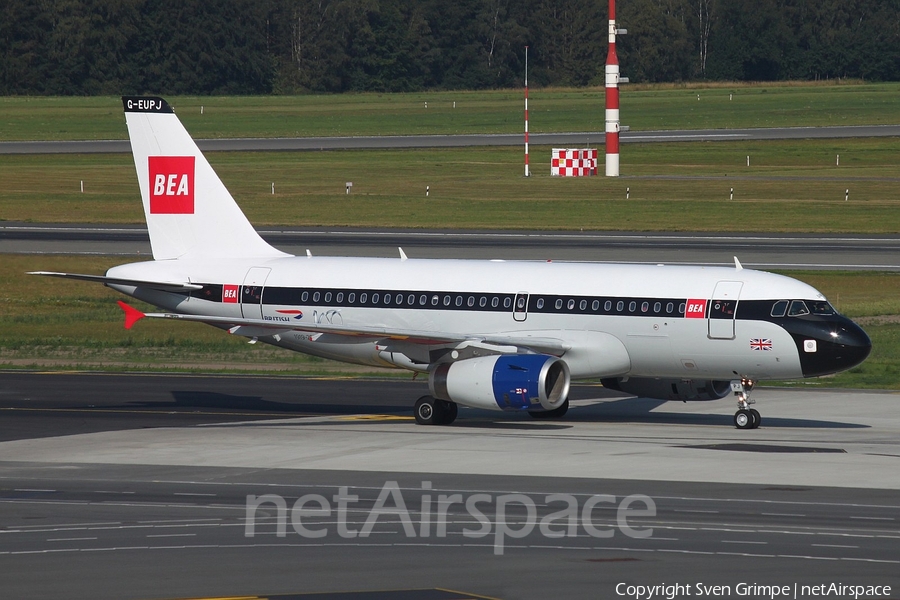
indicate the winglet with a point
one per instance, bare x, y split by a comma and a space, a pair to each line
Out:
132, 315
737, 264
402, 253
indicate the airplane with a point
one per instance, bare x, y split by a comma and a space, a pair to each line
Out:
489, 334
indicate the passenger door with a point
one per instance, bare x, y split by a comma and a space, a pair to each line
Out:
723, 308
251, 292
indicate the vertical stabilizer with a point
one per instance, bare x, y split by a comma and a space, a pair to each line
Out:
189, 211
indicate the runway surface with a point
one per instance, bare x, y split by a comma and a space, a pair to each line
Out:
455, 141
137, 486
766, 251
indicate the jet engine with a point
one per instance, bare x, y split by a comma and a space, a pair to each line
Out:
503, 382
670, 389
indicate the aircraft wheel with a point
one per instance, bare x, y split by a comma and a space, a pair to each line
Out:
427, 413
757, 418
743, 419
556, 413
448, 411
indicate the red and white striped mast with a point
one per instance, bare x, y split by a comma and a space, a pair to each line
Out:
526, 112
612, 98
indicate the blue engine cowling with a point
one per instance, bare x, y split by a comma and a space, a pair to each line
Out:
503, 382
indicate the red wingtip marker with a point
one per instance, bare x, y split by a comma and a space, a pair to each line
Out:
132, 315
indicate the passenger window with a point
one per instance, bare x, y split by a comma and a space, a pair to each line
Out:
582, 305
411, 299
387, 299
798, 308
315, 296
780, 308
459, 300
423, 299
571, 304
471, 301
304, 296
540, 303
681, 308
495, 302
632, 306
595, 305
620, 306
482, 302
657, 307
351, 298
607, 306
645, 307
434, 300
327, 296
507, 302
363, 297
374, 298
670, 307
447, 300
340, 297
559, 304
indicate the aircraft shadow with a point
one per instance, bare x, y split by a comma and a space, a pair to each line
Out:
218, 400
621, 410
641, 410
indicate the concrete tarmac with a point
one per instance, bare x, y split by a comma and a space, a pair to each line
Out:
137, 486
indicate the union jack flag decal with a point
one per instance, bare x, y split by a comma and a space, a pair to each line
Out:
761, 344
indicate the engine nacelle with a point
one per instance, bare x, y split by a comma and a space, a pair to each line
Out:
670, 389
503, 382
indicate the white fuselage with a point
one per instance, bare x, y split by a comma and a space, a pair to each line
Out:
615, 320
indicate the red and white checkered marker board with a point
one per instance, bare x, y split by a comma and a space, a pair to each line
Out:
573, 163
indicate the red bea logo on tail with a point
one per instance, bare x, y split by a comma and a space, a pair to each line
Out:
171, 185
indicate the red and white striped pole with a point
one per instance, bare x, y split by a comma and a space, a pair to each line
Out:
612, 98
526, 112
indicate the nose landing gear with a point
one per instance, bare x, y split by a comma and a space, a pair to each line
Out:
745, 417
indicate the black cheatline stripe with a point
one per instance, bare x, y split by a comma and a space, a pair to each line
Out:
747, 310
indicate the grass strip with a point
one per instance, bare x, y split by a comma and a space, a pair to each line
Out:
732, 105
790, 186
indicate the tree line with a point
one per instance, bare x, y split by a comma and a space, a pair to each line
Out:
90, 47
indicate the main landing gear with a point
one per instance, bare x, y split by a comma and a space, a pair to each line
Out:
431, 411
745, 417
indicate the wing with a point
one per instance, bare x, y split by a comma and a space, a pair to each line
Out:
260, 327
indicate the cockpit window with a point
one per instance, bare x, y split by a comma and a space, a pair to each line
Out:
780, 308
821, 308
798, 308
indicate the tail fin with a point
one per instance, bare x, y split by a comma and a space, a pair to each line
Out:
189, 211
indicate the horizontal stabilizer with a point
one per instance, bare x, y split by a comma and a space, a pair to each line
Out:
164, 286
132, 315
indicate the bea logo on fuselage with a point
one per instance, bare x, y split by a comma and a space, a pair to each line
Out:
696, 309
230, 294
171, 185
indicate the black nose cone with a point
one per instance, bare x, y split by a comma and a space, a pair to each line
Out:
829, 345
